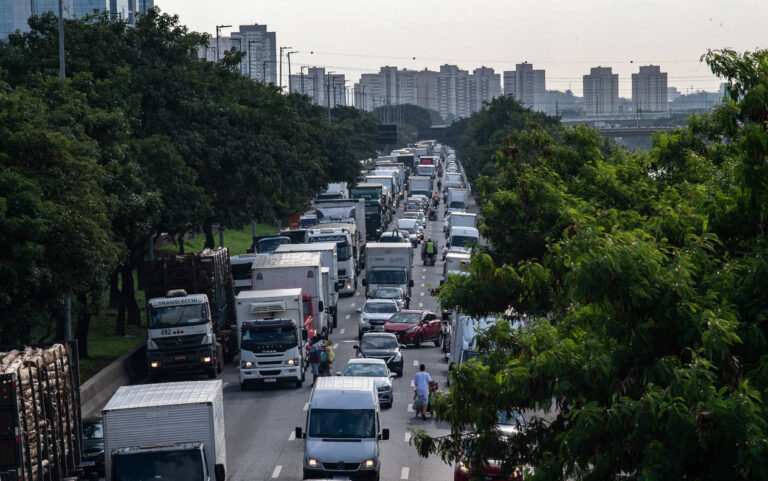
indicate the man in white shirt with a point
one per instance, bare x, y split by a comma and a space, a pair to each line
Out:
421, 381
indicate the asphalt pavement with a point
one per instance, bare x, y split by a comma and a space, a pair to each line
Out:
260, 422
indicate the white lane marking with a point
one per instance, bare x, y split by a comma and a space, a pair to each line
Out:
347, 317
421, 294
407, 437
416, 363
423, 270
423, 277
423, 285
404, 473
421, 304
279, 468
352, 305
292, 437
410, 408
342, 331
348, 340
412, 384
306, 406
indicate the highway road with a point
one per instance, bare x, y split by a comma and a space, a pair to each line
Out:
260, 422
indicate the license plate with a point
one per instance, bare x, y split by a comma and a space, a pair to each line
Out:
270, 379
378, 328
179, 357
89, 463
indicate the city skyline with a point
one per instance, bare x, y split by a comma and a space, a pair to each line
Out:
353, 40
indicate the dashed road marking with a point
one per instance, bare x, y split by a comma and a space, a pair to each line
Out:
342, 331
278, 468
423, 270
306, 406
410, 408
421, 304
352, 305
412, 384
421, 294
292, 437
423, 285
407, 437
403, 473
416, 363
423, 277
347, 317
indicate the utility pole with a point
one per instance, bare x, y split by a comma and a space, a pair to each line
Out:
281, 65
302, 79
289, 68
218, 46
328, 94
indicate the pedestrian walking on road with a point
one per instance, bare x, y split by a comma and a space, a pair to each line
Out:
421, 381
315, 357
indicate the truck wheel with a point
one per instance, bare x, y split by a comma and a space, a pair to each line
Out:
212, 373
335, 318
243, 386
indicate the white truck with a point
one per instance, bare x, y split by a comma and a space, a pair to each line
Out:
343, 235
460, 219
329, 259
335, 190
271, 333
348, 211
427, 171
453, 181
169, 430
457, 200
295, 270
399, 173
389, 265
388, 180
419, 185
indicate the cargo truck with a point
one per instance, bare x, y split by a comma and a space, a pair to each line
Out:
343, 236
350, 211
388, 181
295, 270
166, 431
329, 259
420, 185
40, 421
389, 265
190, 312
457, 200
377, 213
272, 335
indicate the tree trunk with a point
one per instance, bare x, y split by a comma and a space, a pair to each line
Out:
114, 291
83, 324
129, 293
181, 245
210, 242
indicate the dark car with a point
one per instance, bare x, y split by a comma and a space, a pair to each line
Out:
415, 327
93, 446
508, 424
382, 345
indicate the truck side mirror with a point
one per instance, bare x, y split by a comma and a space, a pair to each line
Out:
320, 305
299, 434
410, 283
365, 282
384, 434
304, 334
219, 472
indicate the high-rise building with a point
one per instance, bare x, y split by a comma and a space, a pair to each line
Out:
407, 87
601, 91
260, 48
426, 89
336, 89
15, 13
373, 91
453, 99
527, 85
303, 83
649, 89
485, 86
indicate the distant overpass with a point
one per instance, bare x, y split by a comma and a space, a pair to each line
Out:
631, 131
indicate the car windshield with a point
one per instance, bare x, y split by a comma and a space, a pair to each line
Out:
413, 204
365, 369
342, 423
173, 465
269, 335
406, 318
387, 277
379, 307
175, 316
388, 293
390, 238
511, 418
462, 241
379, 342
93, 431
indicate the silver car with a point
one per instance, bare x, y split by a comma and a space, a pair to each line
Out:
378, 370
391, 293
374, 314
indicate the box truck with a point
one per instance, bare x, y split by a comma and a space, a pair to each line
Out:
389, 265
329, 260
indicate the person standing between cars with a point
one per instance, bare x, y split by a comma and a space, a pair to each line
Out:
315, 356
430, 250
421, 380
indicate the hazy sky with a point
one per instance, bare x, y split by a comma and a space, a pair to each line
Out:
564, 37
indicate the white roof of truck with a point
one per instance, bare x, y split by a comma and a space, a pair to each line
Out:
311, 247
164, 394
289, 259
342, 392
268, 293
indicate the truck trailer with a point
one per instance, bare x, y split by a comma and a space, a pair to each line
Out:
389, 265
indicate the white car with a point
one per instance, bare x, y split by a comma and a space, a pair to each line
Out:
413, 227
415, 215
374, 314
378, 370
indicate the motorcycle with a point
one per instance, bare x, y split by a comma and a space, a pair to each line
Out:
432, 215
428, 259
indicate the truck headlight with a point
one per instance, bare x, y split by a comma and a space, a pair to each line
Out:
154, 364
206, 359
369, 463
246, 364
292, 362
312, 462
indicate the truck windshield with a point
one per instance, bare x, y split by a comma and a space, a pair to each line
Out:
175, 316
165, 466
387, 277
241, 271
342, 423
253, 336
344, 250
270, 244
457, 205
462, 241
369, 194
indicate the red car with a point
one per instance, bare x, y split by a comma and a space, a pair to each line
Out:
415, 327
492, 472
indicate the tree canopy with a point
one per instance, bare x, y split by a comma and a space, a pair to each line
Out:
640, 279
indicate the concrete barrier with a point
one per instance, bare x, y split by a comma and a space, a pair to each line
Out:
125, 370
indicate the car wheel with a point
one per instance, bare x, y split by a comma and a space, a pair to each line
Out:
360, 334
243, 386
400, 373
212, 373
419, 340
439, 340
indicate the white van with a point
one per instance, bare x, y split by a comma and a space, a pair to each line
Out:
461, 239
343, 430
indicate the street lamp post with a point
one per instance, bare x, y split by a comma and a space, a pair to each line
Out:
218, 31
302, 79
289, 68
281, 64
328, 93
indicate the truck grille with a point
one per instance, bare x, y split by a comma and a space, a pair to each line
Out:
270, 373
179, 342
